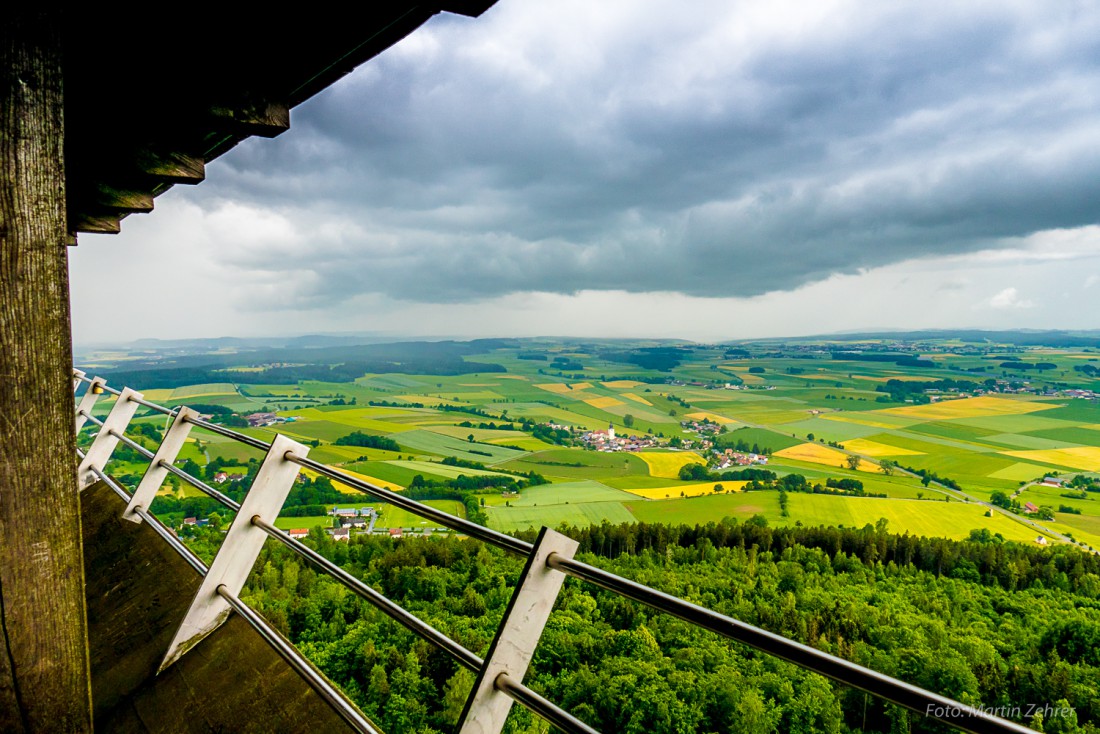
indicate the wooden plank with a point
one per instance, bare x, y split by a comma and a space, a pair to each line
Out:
265, 119
96, 225
138, 590
118, 200
44, 680
171, 167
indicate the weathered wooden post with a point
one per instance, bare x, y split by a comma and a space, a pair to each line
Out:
44, 681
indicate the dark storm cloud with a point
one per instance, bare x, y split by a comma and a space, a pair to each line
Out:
713, 150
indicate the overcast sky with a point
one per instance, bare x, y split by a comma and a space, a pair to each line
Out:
705, 170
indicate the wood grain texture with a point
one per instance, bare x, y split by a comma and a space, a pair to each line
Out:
139, 589
44, 680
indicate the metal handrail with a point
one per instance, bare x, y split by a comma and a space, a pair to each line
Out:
132, 444
194, 561
391, 609
201, 486
931, 705
288, 652
500, 540
539, 705
229, 433
188, 555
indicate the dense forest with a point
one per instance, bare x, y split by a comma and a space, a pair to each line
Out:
288, 366
982, 621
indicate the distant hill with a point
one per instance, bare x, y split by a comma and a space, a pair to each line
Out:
1023, 337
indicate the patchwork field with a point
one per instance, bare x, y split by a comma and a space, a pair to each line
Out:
442, 445
793, 402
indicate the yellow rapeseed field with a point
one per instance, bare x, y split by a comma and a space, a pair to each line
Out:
712, 417
1078, 457
876, 449
158, 395
968, 408
688, 490
636, 398
365, 477
816, 453
558, 388
668, 465
604, 402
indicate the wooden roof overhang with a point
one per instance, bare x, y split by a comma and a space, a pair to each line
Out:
148, 104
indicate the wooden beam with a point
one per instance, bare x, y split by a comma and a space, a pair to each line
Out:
171, 167
44, 681
123, 200
96, 225
264, 118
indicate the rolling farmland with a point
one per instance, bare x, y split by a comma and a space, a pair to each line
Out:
813, 415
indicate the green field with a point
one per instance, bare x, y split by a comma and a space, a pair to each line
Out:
707, 508
564, 493
931, 518
800, 392
510, 519
291, 523
441, 445
574, 464
764, 438
397, 517
441, 470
